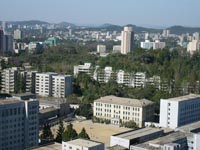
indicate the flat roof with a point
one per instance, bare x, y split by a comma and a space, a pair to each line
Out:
49, 109
10, 101
190, 127
117, 147
124, 101
170, 139
137, 133
84, 143
184, 98
54, 146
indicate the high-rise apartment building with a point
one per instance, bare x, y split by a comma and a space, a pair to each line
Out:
101, 48
8, 43
61, 86
43, 85
179, 111
19, 124
193, 46
127, 40
18, 34
9, 77
52, 84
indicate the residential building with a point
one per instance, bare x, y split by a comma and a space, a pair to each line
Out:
19, 124
8, 81
146, 45
166, 33
18, 34
116, 48
119, 110
132, 137
193, 46
196, 36
29, 78
179, 111
105, 75
43, 85
123, 78
86, 68
61, 86
158, 45
138, 80
81, 144
101, 48
127, 40
8, 43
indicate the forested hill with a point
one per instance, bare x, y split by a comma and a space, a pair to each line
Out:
181, 30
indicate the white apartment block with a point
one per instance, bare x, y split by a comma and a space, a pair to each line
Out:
43, 85
8, 80
127, 40
193, 46
117, 110
154, 45
61, 86
139, 80
86, 68
179, 111
101, 48
123, 78
29, 77
81, 144
19, 124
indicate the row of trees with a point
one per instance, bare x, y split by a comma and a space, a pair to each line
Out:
62, 134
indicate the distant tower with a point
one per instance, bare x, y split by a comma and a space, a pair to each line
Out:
18, 34
1, 42
4, 26
127, 40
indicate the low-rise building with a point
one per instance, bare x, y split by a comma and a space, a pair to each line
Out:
119, 110
193, 46
86, 68
133, 137
81, 144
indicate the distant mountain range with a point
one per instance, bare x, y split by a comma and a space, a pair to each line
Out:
111, 27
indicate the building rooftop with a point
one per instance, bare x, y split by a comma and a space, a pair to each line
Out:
137, 133
49, 109
124, 101
156, 144
54, 146
192, 127
84, 143
10, 101
117, 147
184, 98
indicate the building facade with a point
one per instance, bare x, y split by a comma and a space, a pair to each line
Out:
18, 34
61, 86
43, 85
179, 111
86, 68
19, 124
119, 110
127, 40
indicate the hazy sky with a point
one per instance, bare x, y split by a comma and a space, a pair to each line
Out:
138, 12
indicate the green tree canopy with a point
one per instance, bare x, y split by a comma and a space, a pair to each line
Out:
69, 133
60, 132
83, 134
46, 133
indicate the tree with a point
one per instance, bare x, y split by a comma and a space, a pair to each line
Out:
83, 134
60, 132
69, 133
130, 124
46, 133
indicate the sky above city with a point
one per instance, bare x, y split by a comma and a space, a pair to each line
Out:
160, 13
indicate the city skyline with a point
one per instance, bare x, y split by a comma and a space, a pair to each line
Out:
146, 13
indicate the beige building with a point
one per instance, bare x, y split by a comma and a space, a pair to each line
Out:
193, 46
127, 40
118, 109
